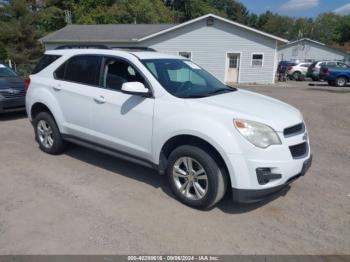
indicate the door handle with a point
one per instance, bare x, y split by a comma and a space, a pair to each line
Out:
100, 99
57, 88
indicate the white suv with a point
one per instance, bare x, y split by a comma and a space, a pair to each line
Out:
168, 113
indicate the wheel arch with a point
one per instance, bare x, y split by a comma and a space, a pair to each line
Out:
344, 76
39, 107
186, 139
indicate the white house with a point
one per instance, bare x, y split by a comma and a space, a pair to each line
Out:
231, 51
309, 50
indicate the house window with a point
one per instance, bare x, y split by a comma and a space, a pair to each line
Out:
257, 60
233, 61
187, 55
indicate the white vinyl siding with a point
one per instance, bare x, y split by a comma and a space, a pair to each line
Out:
309, 51
211, 45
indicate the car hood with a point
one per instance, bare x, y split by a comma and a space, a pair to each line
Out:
243, 104
11, 82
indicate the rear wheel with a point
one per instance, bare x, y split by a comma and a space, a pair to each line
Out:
195, 177
341, 81
47, 134
297, 76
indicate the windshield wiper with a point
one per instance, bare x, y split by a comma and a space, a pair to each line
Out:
221, 91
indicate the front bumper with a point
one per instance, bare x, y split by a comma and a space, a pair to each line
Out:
256, 195
12, 104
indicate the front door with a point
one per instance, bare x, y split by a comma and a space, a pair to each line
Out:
122, 122
232, 68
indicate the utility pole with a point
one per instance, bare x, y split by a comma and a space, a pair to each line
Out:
68, 17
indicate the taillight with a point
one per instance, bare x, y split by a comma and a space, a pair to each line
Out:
27, 83
290, 68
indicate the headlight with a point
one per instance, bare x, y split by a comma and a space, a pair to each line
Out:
256, 133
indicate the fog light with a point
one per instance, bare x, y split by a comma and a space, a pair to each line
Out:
264, 175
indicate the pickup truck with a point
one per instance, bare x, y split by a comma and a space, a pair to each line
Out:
336, 76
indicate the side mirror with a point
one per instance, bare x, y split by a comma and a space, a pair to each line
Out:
135, 88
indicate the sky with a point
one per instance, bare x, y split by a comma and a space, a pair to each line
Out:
298, 8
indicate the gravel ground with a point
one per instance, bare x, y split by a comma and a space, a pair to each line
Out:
84, 202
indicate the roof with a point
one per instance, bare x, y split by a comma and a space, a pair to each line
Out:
140, 55
104, 33
218, 18
131, 32
312, 41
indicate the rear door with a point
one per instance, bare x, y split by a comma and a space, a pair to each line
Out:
75, 85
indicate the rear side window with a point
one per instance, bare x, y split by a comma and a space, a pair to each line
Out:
83, 69
45, 61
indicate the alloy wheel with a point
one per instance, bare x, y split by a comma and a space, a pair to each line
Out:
45, 134
190, 178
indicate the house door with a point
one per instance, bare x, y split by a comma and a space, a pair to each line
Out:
232, 68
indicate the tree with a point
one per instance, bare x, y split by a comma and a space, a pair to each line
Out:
343, 30
325, 28
184, 10
50, 19
275, 24
234, 10
18, 32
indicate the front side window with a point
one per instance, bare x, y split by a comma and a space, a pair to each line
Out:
343, 65
116, 72
257, 60
184, 79
6, 71
83, 69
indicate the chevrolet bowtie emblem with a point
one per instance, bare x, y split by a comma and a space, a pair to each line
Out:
305, 137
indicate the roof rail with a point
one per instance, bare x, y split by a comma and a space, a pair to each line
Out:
82, 47
134, 48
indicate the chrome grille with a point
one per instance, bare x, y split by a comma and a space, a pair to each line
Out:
13, 92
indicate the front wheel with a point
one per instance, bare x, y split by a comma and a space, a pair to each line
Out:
47, 134
341, 81
195, 177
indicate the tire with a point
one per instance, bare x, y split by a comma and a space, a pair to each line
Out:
48, 135
201, 193
341, 81
297, 76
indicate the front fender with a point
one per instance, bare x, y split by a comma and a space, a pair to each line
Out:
214, 131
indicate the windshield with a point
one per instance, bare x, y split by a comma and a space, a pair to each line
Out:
185, 79
6, 72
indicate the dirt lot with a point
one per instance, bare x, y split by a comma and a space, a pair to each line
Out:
87, 202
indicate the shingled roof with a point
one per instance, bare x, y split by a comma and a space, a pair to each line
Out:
131, 32
104, 33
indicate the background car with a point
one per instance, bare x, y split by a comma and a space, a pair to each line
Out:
338, 75
12, 90
298, 71
314, 69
